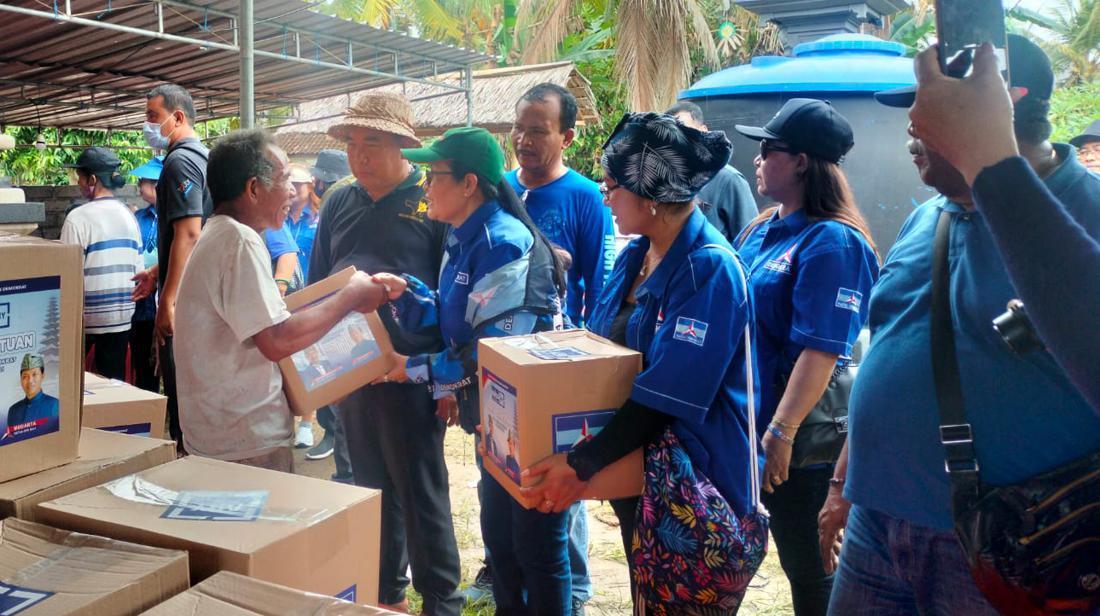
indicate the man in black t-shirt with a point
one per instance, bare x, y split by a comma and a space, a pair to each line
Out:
379, 224
183, 205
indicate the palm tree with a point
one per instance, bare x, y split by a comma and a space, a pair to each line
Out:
1075, 46
429, 16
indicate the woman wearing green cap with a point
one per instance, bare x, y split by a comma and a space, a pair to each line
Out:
499, 278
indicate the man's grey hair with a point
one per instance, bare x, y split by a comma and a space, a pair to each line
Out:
235, 159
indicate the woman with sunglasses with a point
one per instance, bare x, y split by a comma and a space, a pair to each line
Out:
677, 296
811, 265
499, 278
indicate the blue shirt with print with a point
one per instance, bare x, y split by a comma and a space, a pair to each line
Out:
146, 309
303, 232
689, 325
482, 282
810, 284
1026, 416
570, 213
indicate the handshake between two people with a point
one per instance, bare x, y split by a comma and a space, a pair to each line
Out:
372, 290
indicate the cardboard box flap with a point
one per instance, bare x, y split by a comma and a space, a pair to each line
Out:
62, 572
231, 594
563, 346
269, 502
98, 450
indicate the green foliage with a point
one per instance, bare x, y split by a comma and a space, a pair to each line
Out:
30, 167
1072, 109
915, 31
584, 154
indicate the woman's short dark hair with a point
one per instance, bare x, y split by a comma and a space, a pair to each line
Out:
237, 158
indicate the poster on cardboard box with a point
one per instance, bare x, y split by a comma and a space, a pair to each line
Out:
572, 429
501, 424
346, 346
30, 339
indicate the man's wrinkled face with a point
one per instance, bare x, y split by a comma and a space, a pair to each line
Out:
31, 381
273, 202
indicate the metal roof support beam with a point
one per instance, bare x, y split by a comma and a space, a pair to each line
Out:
279, 25
214, 45
248, 81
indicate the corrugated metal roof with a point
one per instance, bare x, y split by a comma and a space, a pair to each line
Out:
68, 74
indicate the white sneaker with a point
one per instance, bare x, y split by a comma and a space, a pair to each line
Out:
303, 437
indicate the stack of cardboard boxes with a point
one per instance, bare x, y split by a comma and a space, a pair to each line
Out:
130, 526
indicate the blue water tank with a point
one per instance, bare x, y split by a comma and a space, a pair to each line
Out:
845, 69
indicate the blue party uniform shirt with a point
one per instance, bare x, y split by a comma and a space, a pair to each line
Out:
146, 309
482, 285
279, 242
688, 324
570, 213
809, 281
303, 232
1026, 415
41, 406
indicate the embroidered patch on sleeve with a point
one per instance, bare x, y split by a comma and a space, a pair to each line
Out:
848, 299
690, 330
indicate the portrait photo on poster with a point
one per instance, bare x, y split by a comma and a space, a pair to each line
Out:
30, 342
348, 345
501, 424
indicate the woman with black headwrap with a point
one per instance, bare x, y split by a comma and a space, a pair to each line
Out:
678, 295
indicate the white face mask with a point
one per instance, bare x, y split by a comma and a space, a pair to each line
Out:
154, 137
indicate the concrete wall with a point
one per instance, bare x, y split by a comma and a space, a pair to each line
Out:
59, 199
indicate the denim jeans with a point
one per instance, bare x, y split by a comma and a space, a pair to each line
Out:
528, 552
578, 541
793, 507
891, 566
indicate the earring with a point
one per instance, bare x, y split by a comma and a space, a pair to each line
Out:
653, 209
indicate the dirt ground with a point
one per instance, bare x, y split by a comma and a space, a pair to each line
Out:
768, 595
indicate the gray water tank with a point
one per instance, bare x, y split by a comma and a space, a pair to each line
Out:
845, 69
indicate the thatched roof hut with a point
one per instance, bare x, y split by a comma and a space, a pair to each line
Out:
495, 92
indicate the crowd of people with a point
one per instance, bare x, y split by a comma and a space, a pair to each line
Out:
744, 319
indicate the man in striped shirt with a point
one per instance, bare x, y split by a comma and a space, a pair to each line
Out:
111, 239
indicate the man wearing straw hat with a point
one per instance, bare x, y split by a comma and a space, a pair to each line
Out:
379, 224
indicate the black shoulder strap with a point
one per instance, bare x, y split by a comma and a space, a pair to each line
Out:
955, 433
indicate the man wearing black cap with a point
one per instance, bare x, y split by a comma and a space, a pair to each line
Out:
109, 234
1088, 147
900, 551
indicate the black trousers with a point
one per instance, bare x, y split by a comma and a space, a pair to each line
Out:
794, 507
110, 353
168, 372
395, 442
332, 425
141, 356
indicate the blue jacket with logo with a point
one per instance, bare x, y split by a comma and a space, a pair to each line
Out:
689, 324
495, 281
810, 284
